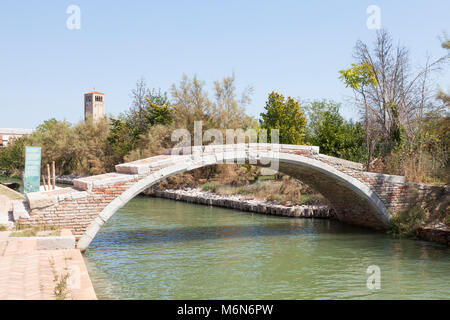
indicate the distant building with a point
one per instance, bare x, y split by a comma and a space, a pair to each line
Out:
7, 135
94, 105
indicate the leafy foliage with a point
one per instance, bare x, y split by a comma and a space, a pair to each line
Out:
406, 223
333, 134
286, 116
122, 137
359, 75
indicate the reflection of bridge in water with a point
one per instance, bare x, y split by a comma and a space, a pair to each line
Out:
358, 197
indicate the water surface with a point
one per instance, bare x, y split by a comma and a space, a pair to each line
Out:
163, 249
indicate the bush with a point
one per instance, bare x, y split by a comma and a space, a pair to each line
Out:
313, 199
406, 223
210, 186
80, 149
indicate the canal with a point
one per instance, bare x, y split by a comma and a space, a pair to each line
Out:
163, 249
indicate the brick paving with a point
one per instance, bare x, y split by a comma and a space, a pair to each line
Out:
29, 274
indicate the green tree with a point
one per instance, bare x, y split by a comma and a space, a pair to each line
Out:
157, 113
332, 133
12, 157
286, 116
150, 107
121, 137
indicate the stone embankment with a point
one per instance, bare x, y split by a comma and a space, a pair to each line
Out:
198, 196
436, 232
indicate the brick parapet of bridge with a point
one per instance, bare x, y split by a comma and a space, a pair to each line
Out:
75, 209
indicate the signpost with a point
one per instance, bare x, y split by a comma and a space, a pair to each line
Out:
32, 175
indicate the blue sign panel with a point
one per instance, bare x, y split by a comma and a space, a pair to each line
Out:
32, 174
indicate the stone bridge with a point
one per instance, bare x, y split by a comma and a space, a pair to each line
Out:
358, 197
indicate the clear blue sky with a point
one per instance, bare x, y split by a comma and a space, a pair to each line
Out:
294, 47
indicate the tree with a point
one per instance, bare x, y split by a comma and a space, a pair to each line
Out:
156, 114
121, 137
150, 107
192, 103
94, 151
79, 149
390, 96
332, 133
12, 157
286, 116
158, 109
137, 109
59, 143
228, 110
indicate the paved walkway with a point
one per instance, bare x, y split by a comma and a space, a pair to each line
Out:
29, 274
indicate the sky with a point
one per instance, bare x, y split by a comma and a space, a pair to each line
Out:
293, 47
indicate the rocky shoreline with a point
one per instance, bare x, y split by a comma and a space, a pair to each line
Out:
198, 196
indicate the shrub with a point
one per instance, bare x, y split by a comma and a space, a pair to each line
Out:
313, 199
210, 186
406, 223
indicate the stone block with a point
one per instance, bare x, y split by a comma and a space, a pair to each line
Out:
55, 242
19, 211
40, 200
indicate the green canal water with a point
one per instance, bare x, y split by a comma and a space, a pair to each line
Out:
163, 249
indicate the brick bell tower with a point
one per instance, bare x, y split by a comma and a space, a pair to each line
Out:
94, 105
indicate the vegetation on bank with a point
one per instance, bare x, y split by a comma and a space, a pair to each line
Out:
35, 231
406, 125
406, 223
286, 191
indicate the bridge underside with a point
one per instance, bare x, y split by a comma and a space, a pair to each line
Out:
350, 207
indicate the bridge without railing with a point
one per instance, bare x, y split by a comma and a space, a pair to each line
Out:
358, 197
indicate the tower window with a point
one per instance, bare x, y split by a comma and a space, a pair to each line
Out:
98, 98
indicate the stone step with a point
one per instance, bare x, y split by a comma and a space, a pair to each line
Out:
44, 199
20, 210
88, 183
147, 165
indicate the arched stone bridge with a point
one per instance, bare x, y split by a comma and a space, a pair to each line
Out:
358, 197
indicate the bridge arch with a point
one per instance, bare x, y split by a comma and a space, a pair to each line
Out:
354, 201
